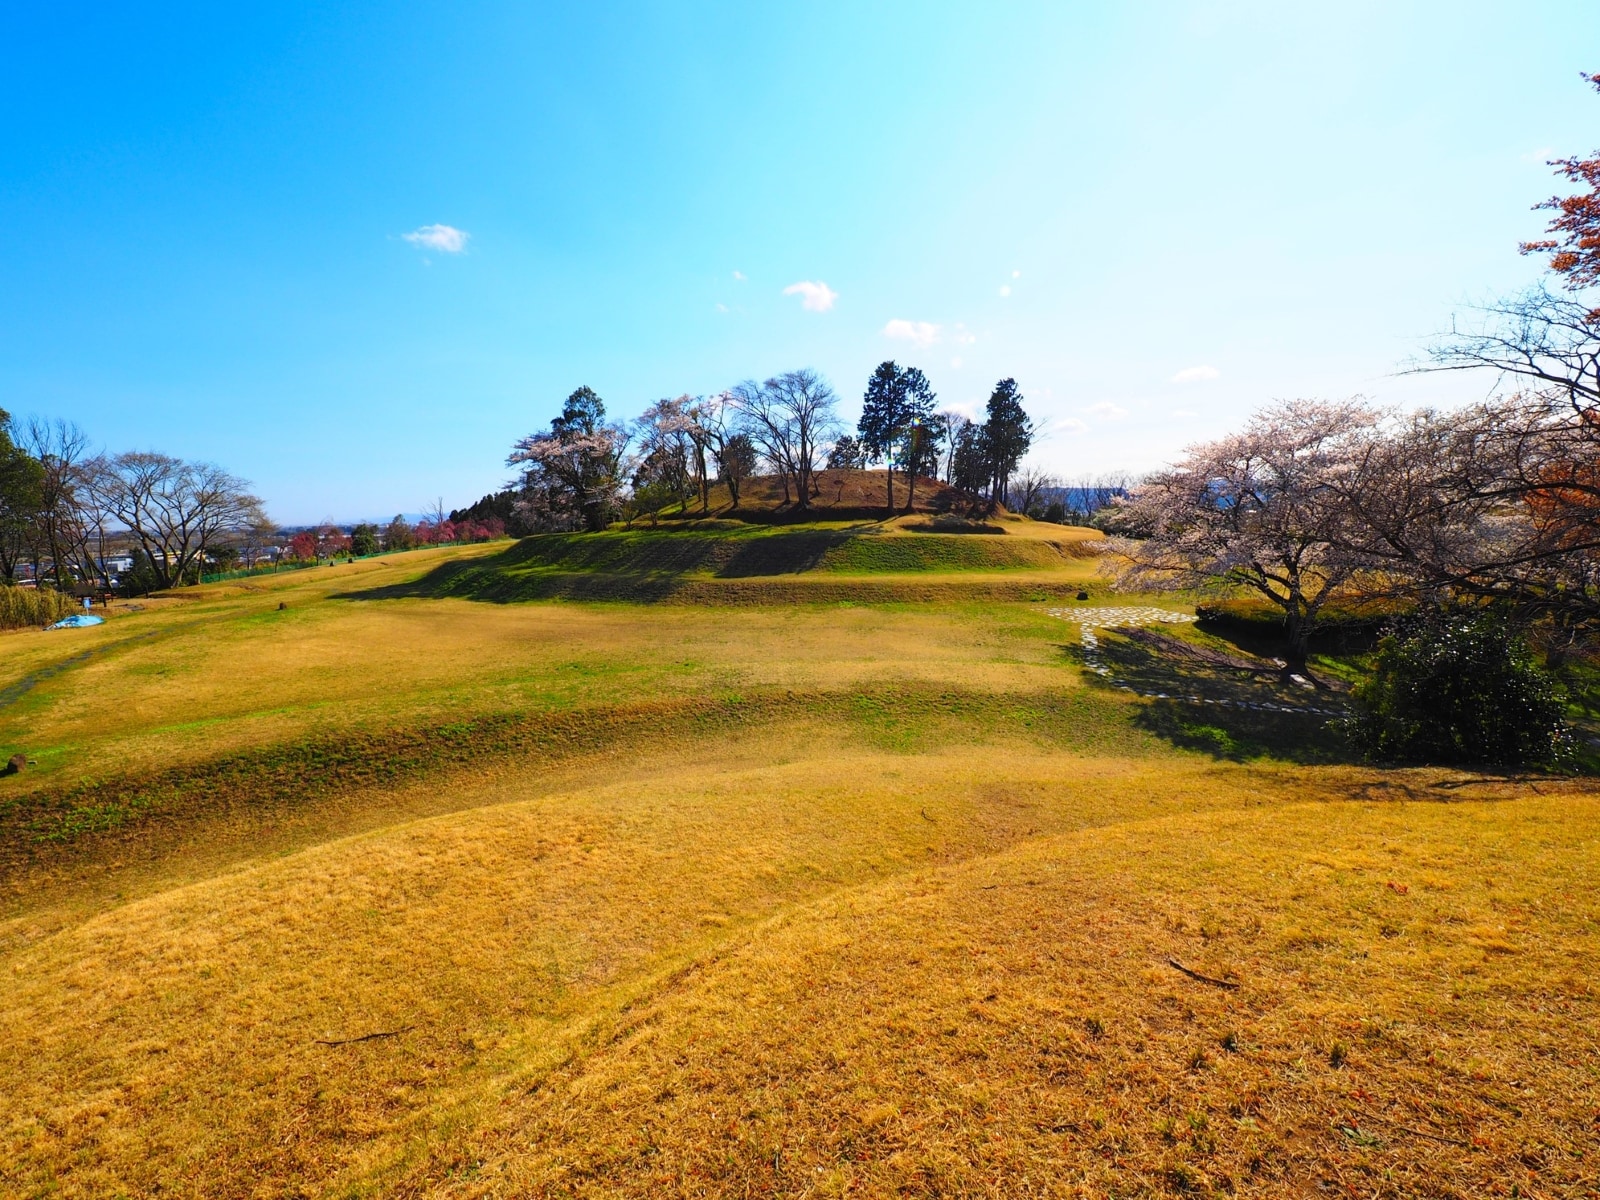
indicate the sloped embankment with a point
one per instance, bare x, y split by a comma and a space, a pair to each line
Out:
756, 564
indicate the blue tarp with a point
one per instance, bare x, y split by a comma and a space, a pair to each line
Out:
77, 621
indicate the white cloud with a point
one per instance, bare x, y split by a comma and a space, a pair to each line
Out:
1016, 274
739, 275
1196, 375
963, 336
1005, 289
722, 308
919, 333
1184, 412
445, 238
1542, 155
1106, 411
814, 296
956, 362
1069, 425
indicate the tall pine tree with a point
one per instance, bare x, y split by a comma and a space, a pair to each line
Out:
897, 421
1007, 434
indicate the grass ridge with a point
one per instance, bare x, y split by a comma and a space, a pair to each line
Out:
39, 824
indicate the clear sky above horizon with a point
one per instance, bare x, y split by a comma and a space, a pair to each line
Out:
1155, 217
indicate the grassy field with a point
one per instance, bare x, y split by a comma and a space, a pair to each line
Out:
800, 861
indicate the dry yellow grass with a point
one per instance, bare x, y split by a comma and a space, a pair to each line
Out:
1414, 1014
840, 949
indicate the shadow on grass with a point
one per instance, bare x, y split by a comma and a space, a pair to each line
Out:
1225, 713
1239, 735
642, 566
708, 565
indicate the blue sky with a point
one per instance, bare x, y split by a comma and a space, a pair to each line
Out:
1154, 216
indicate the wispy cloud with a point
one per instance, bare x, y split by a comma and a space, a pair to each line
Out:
447, 239
1542, 155
1106, 411
815, 296
1184, 412
1016, 274
956, 362
739, 275
918, 333
1069, 425
1196, 375
1005, 289
722, 308
962, 336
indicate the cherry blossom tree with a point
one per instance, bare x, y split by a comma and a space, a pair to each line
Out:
574, 472
1260, 510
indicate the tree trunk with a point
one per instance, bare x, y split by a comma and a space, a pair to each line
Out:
891, 486
1297, 638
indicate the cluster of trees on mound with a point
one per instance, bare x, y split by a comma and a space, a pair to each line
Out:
63, 509
585, 471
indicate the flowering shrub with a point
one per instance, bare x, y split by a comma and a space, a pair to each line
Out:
1459, 689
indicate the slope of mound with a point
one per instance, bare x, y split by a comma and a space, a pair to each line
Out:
1137, 1010
705, 565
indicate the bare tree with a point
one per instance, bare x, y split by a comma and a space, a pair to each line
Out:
59, 447
95, 521
1539, 339
952, 423
766, 428
790, 417
175, 510
1496, 502
1096, 493
720, 435
255, 539
1029, 487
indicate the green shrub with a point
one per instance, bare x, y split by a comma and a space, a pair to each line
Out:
22, 607
1458, 689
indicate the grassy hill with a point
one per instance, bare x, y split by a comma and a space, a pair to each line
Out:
722, 562
348, 883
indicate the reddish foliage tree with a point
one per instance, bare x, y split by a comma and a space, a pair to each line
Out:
303, 545
1575, 253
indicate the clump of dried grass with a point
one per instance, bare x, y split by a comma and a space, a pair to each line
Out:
25, 608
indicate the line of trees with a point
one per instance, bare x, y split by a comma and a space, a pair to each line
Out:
586, 470
63, 508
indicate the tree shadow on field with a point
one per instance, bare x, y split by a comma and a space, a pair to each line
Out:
1235, 712
782, 554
